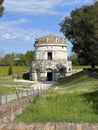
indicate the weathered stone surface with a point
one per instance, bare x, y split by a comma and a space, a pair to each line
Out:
63, 126
79, 127
10, 110
50, 39
94, 126
48, 126
73, 126
50, 59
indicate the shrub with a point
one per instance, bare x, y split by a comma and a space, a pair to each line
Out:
10, 71
26, 75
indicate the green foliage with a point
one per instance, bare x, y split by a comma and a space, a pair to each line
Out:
81, 28
18, 59
29, 56
9, 59
26, 76
1, 7
10, 70
74, 100
73, 58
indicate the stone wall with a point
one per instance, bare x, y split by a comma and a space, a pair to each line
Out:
48, 126
10, 110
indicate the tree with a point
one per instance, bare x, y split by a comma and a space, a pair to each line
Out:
9, 59
1, 7
19, 59
10, 70
74, 59
29, 56
81, 28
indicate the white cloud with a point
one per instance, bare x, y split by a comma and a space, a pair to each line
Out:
32, 6
36, 7
73, 2
12, 31
7, 36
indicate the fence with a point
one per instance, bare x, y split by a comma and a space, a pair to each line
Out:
9, 110
8, 98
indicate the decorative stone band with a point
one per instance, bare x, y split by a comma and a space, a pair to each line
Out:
50, 44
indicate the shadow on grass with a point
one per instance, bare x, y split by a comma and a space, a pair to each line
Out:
92, 97
73, 79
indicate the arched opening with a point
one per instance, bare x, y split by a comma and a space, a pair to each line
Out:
49, 75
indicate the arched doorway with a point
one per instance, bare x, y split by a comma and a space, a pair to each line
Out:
49, 75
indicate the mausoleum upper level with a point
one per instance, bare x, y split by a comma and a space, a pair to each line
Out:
50, 39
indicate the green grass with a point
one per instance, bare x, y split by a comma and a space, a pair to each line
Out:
7, 90
82, 67
79, 83
73, 100
8, 85
15, 69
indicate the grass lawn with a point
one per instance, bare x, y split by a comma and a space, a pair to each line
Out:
8, 85
82, 67
15, 69
73, 100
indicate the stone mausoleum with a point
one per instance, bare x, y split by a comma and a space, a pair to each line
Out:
50, 59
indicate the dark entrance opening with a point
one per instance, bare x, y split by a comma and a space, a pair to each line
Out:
49, 55
49, 76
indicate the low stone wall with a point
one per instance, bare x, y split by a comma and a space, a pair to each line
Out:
74, 71
10, 110
48, 126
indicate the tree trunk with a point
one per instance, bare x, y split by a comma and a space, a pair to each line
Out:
92, 66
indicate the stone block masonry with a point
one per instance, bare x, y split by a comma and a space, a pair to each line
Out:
48, 126
50, 59
10, 110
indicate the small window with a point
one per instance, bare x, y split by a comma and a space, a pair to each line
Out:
49, 55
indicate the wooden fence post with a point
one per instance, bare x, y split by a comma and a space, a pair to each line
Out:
33, 91
0, 100
27, 92
17, 94
6, 99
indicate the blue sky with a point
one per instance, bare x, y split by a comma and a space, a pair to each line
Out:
23, 21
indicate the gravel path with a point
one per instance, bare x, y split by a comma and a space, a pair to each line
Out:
34, 88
